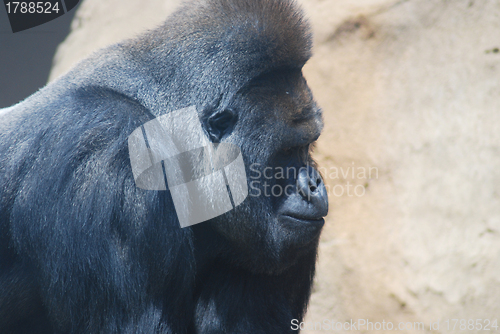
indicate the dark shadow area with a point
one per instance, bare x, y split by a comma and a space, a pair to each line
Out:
26, 56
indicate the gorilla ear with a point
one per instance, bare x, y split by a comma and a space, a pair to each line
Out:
220, 124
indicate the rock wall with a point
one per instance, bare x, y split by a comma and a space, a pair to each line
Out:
410, 152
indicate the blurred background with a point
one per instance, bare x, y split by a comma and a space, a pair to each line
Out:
410, 151
26, 56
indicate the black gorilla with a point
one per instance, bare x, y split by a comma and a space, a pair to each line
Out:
83, 250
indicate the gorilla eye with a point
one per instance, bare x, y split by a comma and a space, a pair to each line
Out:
220, 124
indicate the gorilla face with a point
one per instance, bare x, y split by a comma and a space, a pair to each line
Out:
275, 121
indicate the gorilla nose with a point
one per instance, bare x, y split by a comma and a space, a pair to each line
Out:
312, 189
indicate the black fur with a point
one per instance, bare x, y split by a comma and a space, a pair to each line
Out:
83, 250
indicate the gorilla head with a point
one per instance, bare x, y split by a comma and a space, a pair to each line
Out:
97, 253
240, 62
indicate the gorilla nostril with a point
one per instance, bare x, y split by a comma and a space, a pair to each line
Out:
314, 181
312, 185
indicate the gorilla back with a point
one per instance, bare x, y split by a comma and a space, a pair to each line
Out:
83, 250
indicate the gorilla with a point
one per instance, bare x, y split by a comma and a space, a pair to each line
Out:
84, 250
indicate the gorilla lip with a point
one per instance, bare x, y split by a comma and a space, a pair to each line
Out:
305, 220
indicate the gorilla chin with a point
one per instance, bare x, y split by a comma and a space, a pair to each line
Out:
303, 233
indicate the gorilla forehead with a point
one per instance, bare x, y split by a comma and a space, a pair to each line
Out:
271, 29
226, 43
